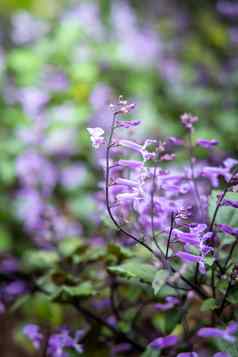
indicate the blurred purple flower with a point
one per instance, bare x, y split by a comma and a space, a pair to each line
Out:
26, 28
73, 176
171, 301
33, 100
163, 342
226, 334
62, 340
207, 144
34, 334
228, 229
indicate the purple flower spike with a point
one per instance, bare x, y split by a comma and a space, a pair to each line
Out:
163, 342
221, 354
207, 144
187, 354
32, 332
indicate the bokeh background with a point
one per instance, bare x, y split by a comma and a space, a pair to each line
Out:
62, 63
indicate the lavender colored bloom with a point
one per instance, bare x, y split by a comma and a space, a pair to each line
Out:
185, 237
171, 301
128, 196
96, 136
212, 173
188, 354
228, 229
222, 354
188, 257
207, 144
131, 164
14, 289
73, 176
163, 342
217, 332
130, 145
33, 100
175, 141
230, 203
33, 169
34, 334
61, 340
227, 8
126, 182
26, 28
188, 120
127, 123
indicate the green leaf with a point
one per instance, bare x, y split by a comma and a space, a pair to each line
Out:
40, 259
135, 269
231, 348
159, 280
209, 305
226, 215
67, 293
150, 352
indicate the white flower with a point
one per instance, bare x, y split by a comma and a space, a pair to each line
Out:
96, 136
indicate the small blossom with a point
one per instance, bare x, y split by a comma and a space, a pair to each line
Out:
96, 136
221, 354
32, 332
217, 332
228, 229
130, 145
230, 203
171, 301
188, 120
188, 257
122, 106
188, 354
127, 123
207, 144
131, 164
163, 342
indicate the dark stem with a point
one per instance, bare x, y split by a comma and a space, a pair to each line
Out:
89, 315
170, 234
220, 310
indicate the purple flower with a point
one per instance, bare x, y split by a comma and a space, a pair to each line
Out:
207, 144
217, 332
188, 354
73, 176
171, 301
163, 342
230, 203
32, 332
228, 229
131, 164
130, 145
188, 257
14, 289
61, 340
96, 136
33, 100
127, 123
221, 354
188, 120
187, 238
